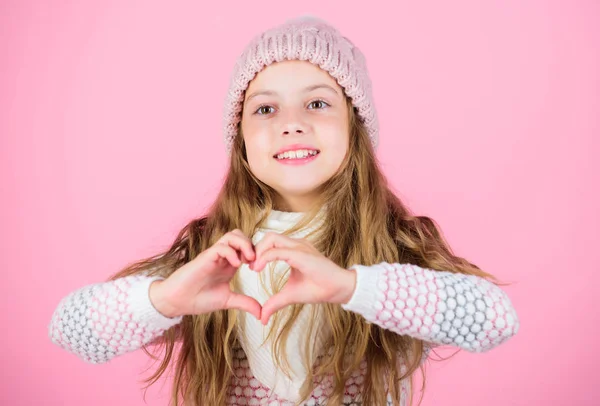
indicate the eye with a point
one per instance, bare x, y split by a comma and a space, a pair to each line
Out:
264, 109
317, 104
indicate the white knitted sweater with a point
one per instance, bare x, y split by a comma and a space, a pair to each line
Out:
101, 321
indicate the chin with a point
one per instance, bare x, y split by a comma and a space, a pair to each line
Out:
299, 191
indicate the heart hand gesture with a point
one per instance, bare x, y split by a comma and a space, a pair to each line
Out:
313, 277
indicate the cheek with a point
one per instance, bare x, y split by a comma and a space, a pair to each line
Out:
257, 150
336, 143
257, 143
335, 134
336, 157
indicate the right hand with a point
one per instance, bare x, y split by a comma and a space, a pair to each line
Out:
202, 285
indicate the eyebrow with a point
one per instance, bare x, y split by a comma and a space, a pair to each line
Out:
306, 90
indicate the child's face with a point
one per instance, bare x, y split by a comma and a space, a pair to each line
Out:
288, 103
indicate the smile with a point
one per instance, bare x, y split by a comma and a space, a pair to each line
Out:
297, 157
297, 154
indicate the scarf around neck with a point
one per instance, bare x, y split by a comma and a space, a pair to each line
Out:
253, 334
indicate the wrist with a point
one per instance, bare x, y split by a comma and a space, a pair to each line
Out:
158, 301
348, 286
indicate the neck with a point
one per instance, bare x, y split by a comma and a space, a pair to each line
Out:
296, 204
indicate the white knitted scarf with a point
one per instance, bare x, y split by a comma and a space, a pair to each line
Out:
253, 333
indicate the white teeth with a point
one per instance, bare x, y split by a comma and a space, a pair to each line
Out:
301, 153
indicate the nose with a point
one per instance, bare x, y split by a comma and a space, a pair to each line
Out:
293, 124
289, 130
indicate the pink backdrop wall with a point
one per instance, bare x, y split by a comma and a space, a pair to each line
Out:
110, 118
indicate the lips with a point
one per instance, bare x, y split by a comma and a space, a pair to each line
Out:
297, 161
294, 147
296, 155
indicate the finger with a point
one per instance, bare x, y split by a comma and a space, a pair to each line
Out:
275, 303
290, 256
274, 240
246, 303
228, 253
239, 241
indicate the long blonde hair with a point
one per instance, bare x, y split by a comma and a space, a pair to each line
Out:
365, 224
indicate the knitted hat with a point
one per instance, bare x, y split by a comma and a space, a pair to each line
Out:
309, 39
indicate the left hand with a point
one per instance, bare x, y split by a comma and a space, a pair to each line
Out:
313, 277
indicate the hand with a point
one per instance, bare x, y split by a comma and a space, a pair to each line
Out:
202, 285
313, 277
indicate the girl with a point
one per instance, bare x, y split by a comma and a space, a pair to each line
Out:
308, 282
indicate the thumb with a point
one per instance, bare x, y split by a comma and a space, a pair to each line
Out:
275, 303
242, 302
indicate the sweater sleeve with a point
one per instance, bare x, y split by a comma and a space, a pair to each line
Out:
101, 321
438, 307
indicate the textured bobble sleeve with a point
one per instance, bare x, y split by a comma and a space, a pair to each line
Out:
438, 307
101, 321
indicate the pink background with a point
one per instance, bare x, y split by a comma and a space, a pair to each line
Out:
110, 117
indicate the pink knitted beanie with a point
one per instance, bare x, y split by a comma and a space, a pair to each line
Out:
309, 39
